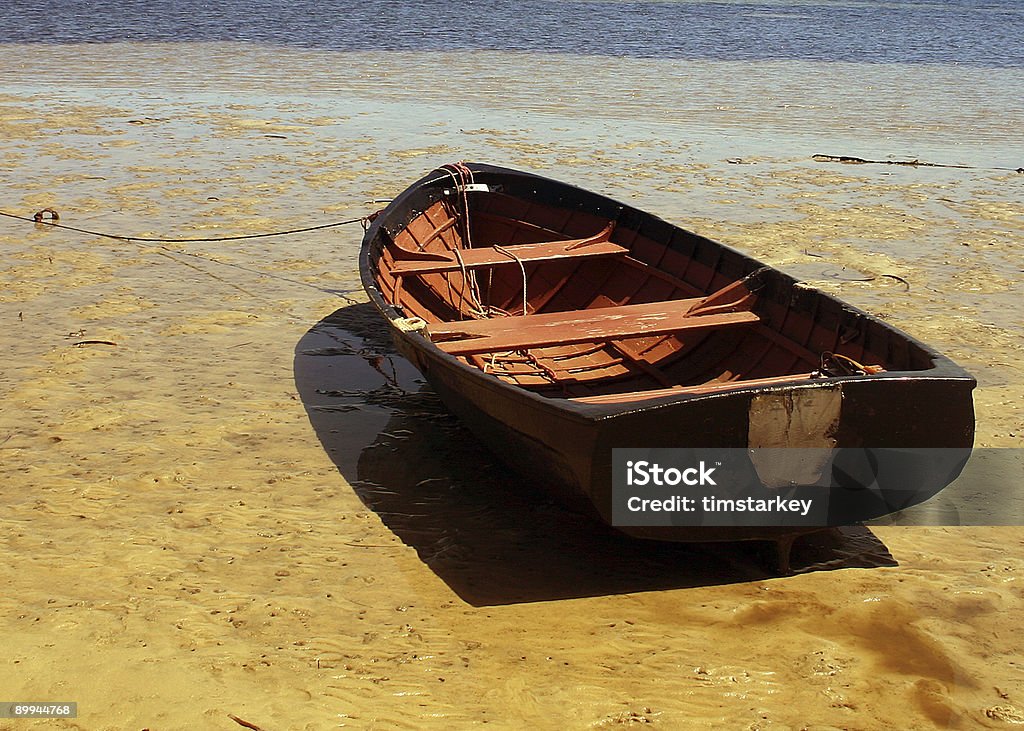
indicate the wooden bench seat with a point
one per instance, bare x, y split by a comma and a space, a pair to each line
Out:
593, 325
432, 262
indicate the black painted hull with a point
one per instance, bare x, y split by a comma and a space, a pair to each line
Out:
567, 445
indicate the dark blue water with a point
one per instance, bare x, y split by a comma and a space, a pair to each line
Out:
983, 33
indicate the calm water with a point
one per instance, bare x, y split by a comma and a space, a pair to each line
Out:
963, 32
934, 80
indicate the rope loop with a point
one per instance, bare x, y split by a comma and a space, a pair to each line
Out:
410, 324
522, 268
834, 364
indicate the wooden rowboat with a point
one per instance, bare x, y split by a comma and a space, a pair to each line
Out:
559, 324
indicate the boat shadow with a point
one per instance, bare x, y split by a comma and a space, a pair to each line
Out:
491, 536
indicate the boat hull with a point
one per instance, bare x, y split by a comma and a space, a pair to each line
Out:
567, 445
570, 454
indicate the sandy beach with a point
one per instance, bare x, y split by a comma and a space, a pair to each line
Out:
224, 493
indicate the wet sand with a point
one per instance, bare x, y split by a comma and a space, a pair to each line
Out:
247, 505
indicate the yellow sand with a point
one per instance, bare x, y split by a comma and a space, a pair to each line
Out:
179, 545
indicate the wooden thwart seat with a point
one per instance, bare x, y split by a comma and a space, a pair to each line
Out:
432, 262
594, 325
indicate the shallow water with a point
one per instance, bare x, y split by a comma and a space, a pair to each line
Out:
962, 32
250, 506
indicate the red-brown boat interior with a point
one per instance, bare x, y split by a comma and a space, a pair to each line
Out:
568, 305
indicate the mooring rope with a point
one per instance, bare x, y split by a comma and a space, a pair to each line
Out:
38, 218
166, 251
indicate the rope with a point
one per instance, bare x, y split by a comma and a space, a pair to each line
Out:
545, 370
522, 268
834, 364
153, 240
166, 251
462, 290
461, 175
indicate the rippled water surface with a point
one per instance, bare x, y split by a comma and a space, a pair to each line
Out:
962, 32
896, 78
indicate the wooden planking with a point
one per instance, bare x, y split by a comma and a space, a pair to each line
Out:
474, 258
603, 323
486, 256
664, 276
704, 388
543, 223
640, 364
